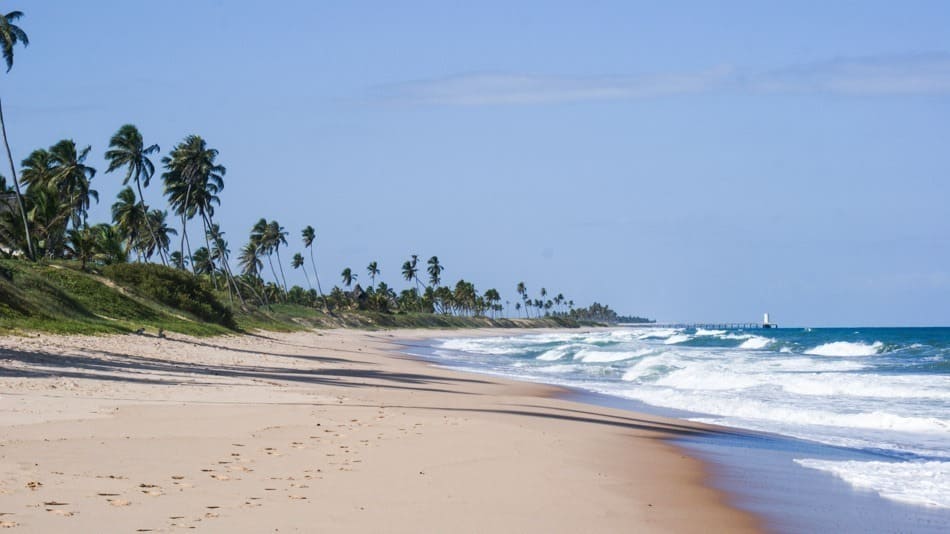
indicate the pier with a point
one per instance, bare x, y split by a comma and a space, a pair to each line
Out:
704, 326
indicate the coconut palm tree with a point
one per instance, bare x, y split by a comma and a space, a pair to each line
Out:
250, 260
37, 169
523, 291
435, 271
81, 245
158, 239
127, 149
409, 270
275, 235
178, 260
10, 36
72, 177
309, 236
202, 261
373, 270
296, 263
130, 217
192, 181
348, 277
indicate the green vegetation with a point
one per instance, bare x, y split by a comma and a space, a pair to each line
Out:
61, 273
60, 297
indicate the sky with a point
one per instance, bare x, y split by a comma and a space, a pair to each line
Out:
685, 161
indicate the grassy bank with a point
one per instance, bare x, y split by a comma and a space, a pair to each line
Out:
59, 297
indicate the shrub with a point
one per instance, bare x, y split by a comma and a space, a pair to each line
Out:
172, 287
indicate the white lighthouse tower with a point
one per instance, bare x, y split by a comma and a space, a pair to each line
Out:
765, 321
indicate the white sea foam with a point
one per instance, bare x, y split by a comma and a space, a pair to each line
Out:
911, 482
737, 408
658, 334
847, 349
755, 343
553, 354
677, 338
702, 332
596, 356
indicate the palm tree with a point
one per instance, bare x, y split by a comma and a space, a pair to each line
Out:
373, 270
309, 236
130, 216
435, 271
71, 177
523, 291
348, 277
192, 181
202, 261
409, 270
296, 263
127, 149
10, 36
158, 239
178, 260
277, 236
81, 245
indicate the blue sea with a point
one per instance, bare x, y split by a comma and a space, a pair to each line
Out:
878, 397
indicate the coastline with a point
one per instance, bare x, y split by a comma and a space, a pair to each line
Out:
364, 440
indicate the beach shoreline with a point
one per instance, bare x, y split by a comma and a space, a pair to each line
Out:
136, 432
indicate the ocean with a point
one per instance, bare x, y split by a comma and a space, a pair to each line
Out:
878, 398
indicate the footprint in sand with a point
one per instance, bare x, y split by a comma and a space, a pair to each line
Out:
63, 513
9, 524
220, 476
34, 485
151, 490
119, 502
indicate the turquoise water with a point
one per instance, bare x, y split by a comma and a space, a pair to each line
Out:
883, 393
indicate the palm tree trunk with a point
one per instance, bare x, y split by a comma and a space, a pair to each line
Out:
148, 224
273, 271
214, 281
281, 265
184, 227
16, 185
316, 275
307, 276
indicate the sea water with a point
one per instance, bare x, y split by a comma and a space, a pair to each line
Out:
883, 393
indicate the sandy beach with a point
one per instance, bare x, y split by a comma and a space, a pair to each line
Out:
323, 431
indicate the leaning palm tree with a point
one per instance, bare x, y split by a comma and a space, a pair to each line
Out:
158, 239
309, 236
523, 291
277, 236
10, 36
129, 216
435, 271
373, 270
192, 180
297, 262
127, 149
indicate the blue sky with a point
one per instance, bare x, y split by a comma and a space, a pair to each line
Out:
682, 160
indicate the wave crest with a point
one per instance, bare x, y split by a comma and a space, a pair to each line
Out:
847, 349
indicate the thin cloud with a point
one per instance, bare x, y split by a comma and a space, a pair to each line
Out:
882, 75
885, 75
497, 88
